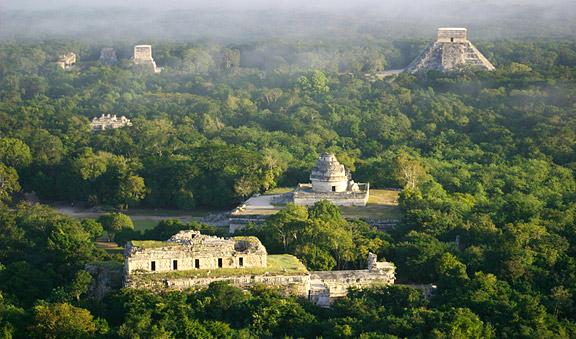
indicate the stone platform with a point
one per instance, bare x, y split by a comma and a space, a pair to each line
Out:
304, 195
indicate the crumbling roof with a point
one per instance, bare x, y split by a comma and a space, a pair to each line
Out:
197, 241
328, 168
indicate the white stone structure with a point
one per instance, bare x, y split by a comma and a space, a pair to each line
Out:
452, 51
108, 121
329, 175
190, 260
67, 60
331, 181
108, 56
452, 35
190, 250
143, 56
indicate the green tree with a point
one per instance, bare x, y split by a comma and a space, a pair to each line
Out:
315, 258
93, 227
315, 82
287, 225
8, 183
131, 190
15, 153
65, 321
114, 223
409, 171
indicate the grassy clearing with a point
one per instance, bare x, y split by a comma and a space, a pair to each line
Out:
277, 265
145, 224
167, 213
109, 247
372, 212
279, 190
382, 204
383, 197
285, 262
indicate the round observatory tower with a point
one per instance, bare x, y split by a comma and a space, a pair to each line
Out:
329, 175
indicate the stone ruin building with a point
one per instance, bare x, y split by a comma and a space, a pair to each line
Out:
452, 51
108, 121
189, 250
143, 57
108, 56
190, 260
331, 181
66, 61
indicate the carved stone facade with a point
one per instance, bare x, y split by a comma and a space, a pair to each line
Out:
452, 51
108, 121
452, 35
329, 175
190, 261
331, 181
143, 57
66, 61
190, 250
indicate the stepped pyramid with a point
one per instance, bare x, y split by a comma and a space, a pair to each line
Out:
451, 52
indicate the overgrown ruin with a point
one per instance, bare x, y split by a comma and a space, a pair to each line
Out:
143, 58
331, 181
452, 51
107, 121
190, 260
66, 61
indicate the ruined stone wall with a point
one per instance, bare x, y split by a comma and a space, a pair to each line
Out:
338, 282
143, 54
452, 35
164, 261
326, 186
203, 252
307, 198
288, 284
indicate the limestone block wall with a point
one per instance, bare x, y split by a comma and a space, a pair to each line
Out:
174, 258
143, 53
288, 284
338, 199
452, 35
338, 282
326, 186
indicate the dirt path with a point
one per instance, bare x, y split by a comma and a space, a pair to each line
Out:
144, 215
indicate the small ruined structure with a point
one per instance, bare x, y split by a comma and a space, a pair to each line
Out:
190, 250
325, 286
66, 61
108, 121
331, 181
190, 260
143, 57
108, 56
452, 51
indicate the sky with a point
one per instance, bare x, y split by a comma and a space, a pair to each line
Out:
237, 20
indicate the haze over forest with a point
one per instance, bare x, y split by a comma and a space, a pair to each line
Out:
238, 21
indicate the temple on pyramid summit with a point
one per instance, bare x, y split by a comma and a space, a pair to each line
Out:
452, 51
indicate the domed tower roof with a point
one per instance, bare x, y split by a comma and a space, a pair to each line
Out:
328, 169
